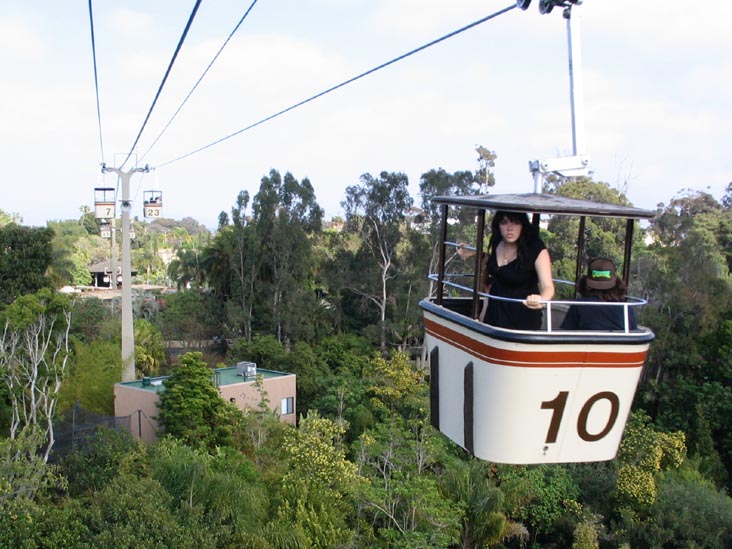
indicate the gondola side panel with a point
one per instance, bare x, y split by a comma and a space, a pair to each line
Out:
534, 403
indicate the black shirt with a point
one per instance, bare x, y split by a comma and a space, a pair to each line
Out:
518, 279
598, 317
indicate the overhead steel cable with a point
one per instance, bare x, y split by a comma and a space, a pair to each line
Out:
349, 81
236, 28
167, 72
96, 80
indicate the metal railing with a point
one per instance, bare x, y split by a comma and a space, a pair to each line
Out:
549, 304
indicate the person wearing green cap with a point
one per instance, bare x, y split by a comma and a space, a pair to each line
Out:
600, 284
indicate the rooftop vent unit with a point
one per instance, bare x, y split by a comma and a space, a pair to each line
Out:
246, 369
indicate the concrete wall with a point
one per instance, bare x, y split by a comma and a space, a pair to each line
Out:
142, 405
245, 395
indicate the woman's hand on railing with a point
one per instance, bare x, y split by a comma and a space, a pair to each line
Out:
533, 301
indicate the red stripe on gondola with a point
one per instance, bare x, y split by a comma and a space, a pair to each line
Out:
534, 359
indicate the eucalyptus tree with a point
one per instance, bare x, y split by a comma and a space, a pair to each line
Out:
34, 354
230, 263
286, 217
689, 282
375, 210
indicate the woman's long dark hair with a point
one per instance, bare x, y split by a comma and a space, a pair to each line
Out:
528, 232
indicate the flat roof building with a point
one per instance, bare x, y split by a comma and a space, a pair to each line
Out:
236, 384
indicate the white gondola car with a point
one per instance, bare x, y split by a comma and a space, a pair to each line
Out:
104, 202
522, 397
105, 230
153, 204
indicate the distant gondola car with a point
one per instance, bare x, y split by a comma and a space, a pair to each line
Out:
104, 202
519, 396
153, 204
105, 230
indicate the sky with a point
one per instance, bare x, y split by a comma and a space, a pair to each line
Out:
657, 79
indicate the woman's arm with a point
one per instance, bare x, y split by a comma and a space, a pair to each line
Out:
543, 266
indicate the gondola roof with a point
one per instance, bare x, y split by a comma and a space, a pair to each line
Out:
545, 203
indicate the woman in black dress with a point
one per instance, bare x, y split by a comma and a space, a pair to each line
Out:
519, 267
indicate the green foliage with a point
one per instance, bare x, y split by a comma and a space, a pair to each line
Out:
137, 512
87, 317
539, 495
313, 375
25, 256
688, 277
149, 348
402, 500
286, 216
700, 408
317, 458
191, 408
397, 386
440, 183
699, 402
319, 482
483, 522
97, 364
6, 218
266, 351
70, 259
688, 512
96, 460
260, 436
145, 256
596, 481
27, 309
375, 210
25, 524
643, 453
24, 472
94, 370
190, 316
345, 398
585, 535
219, 487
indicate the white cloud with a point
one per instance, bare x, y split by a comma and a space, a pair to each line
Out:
19, 41
662, 25
130, 22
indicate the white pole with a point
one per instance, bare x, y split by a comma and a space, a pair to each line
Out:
128, 332
576, 93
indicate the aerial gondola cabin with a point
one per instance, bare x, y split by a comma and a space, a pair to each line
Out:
520, 396
105, 230
104, 198
153, 204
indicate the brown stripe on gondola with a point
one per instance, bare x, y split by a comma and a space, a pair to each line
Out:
435, 387
534, 359
468, 407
